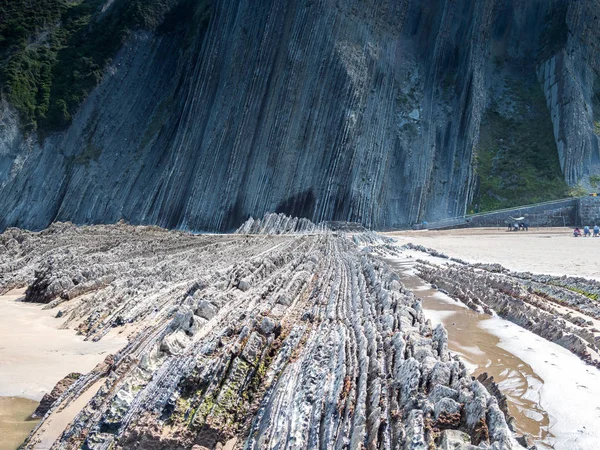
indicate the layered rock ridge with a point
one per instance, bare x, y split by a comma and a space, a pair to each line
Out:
297, 340
563, 310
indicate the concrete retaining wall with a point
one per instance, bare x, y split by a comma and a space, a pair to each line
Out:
589, 211
558, 213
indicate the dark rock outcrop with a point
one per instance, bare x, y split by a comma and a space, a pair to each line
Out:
570, 77
48, 400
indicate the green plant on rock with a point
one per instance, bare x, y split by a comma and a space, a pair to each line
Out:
577, 191
516, 157
92, 153
589, 295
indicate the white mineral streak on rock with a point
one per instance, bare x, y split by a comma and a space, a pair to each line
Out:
322, 347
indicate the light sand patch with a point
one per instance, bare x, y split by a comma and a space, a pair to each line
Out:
551, 251
35, 354
570, 391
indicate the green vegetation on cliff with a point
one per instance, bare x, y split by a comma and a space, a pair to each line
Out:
596, 105
54, 52
516, 157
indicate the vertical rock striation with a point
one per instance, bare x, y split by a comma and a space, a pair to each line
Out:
571, 80
329, 110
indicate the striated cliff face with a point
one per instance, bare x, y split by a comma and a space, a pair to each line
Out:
571, 83
330, 110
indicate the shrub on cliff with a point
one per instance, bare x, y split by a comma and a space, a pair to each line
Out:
54, 52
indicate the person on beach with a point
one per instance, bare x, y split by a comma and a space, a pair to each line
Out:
576, 232
596, 230
586, 231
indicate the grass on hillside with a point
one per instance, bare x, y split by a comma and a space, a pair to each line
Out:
54, 52
516, 157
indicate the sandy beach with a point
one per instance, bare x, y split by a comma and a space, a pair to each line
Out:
35, 354
544, 250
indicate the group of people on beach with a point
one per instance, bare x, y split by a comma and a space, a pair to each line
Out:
518, 226
587, 232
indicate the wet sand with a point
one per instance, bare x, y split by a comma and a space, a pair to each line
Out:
34, 355
552, 394
479, 349
56, 423
15, 422
551, 251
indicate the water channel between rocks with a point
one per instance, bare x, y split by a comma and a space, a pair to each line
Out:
553, 396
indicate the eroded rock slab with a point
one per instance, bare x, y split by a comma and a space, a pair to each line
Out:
277, 341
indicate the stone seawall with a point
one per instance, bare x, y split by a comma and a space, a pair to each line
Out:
568, 212
588, 211
549, 214
562, 213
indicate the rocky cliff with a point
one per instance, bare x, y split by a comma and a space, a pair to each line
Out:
331, 110
571, 82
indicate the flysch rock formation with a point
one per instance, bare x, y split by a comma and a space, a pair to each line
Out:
348, 110
255, 341
564, 310
571, 82
273, 223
